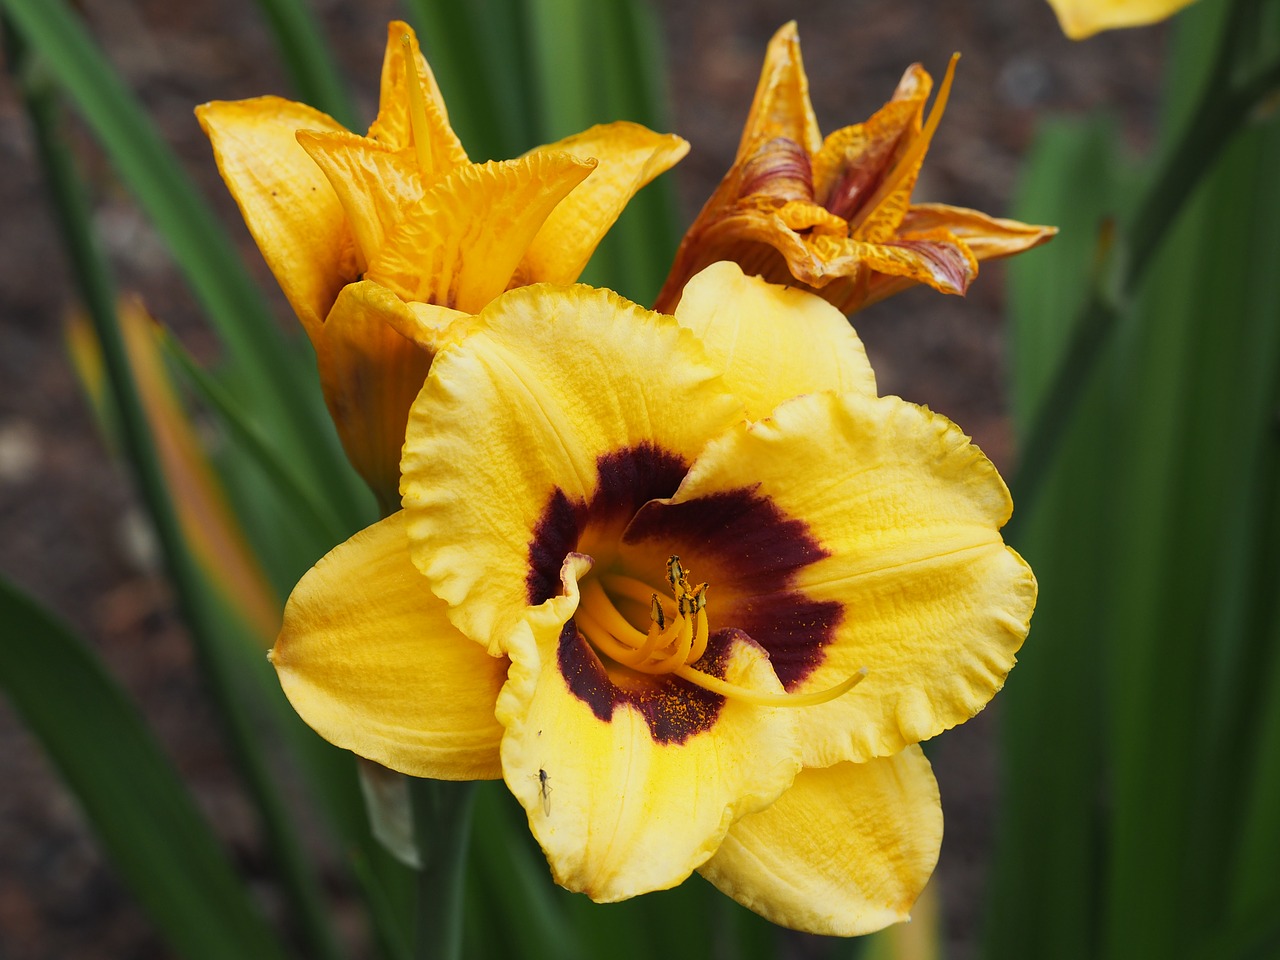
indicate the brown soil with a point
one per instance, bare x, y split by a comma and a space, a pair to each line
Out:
70, 527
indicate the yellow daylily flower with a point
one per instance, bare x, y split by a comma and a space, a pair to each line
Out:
1083, 18
688, 585
835, 214
380, 242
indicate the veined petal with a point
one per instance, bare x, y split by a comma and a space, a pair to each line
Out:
845, 851
459, 246
938, 259
286, 200
370, 374
629, 156
855, 159
1083, 18
368, 658
888, 519
393, 125
781, 107
986, 237
773, 342
631, 781
373, 182
562, 410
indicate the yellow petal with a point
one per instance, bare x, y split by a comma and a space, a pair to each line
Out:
1083, 18
287, 202
772, 342
370, 374
373, 182
903, 573
781, 106
629, 781
937, 259
629, 156
459, 246
846, 851
393, 126
986, 237
551, 390
368, 658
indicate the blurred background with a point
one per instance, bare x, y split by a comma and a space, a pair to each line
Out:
75, 537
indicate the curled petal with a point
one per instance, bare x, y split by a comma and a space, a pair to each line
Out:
773, 342
393, 126
845, 851
373, 182
368, 658
986, 237
781, 107
629, 156
459, 246
370, 374
286, 200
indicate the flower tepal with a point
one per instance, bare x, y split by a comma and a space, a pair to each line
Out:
714, 589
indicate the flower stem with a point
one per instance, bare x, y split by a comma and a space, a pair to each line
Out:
442, 827
1223, 108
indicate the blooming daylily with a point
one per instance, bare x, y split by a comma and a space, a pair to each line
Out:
1083, 18
688, 585
836, 214
380, 242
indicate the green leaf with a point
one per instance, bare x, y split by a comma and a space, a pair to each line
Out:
140, 809
307, 56
201, 248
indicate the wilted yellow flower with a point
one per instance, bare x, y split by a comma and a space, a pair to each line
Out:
380, 241
688, 585
1084, 18
836, 214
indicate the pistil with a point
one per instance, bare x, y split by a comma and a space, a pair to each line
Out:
911, 157
417, 110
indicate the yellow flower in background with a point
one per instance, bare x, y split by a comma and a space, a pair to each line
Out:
836, 214
380, 242
1083, 18
688, 585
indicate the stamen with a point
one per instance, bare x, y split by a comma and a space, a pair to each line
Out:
417, 110
601, 639
603, 610
914, 154
633, 589
680, 655
732, 691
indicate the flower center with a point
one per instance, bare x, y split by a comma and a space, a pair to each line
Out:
676, 637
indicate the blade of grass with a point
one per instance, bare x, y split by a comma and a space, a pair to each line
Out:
130, 793
254, 343
308, 58
210, 623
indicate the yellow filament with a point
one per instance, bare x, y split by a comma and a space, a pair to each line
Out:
602, 609
699, 636
910, 160
602, 640
637, 590
417, 110
731, 691
680, 655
